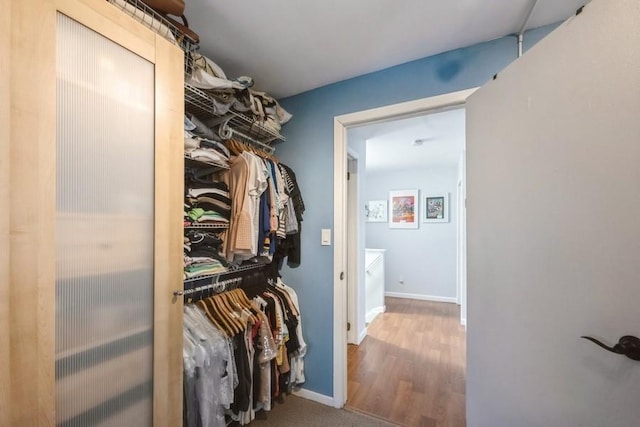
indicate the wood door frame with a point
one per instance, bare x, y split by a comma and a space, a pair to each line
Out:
30, 389
5, 135
461, 244
458, 241
354, 335
340, 125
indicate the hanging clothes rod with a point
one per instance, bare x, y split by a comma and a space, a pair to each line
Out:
218, 286
234, 269
246, 138
226, 131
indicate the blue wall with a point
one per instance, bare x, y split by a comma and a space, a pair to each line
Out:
309, 151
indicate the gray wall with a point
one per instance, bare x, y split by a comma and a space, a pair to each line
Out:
309, 151
553, 151
425, 258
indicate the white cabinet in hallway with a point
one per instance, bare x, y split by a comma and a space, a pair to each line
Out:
374, 283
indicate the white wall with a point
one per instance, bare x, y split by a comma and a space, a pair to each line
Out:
425, 258
553, 207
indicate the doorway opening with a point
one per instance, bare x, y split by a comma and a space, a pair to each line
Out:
347, 296
409, 183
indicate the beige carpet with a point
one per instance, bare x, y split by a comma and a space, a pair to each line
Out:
296, 411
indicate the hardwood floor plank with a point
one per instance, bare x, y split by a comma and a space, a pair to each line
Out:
402, 402
411, 367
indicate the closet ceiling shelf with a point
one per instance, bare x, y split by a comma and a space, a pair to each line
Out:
144, 14
195, 226
201, 105
251, 128
202, 162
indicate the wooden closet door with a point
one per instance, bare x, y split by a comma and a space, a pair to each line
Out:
45, 234
5, 19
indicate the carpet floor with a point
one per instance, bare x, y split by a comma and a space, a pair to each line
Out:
296, 411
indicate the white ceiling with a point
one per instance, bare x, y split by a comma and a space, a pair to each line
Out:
291, 46
390, 144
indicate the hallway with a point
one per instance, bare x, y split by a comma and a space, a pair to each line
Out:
411, 367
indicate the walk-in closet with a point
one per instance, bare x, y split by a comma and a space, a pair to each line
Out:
243, 343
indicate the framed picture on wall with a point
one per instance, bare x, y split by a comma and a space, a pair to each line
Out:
376, 211
403, 209
435, 207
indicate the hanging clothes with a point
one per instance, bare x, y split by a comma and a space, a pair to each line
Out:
237, 364
290, 246
209, 371
266, 211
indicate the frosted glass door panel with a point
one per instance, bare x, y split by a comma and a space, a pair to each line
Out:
105, 213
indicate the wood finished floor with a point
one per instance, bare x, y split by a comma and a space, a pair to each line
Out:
411, 367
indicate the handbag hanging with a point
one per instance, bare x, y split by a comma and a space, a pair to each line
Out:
184, 28
172, 7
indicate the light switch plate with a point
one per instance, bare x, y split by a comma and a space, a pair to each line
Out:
325, 240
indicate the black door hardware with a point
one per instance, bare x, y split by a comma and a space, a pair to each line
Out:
628, 346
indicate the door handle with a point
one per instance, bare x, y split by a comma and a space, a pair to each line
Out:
628, 345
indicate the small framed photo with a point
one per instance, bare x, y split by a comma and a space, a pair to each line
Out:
435, 207
376, 211
403, 209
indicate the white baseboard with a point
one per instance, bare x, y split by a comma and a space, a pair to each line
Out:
362, 335
373, 313
316, 397
451, 300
